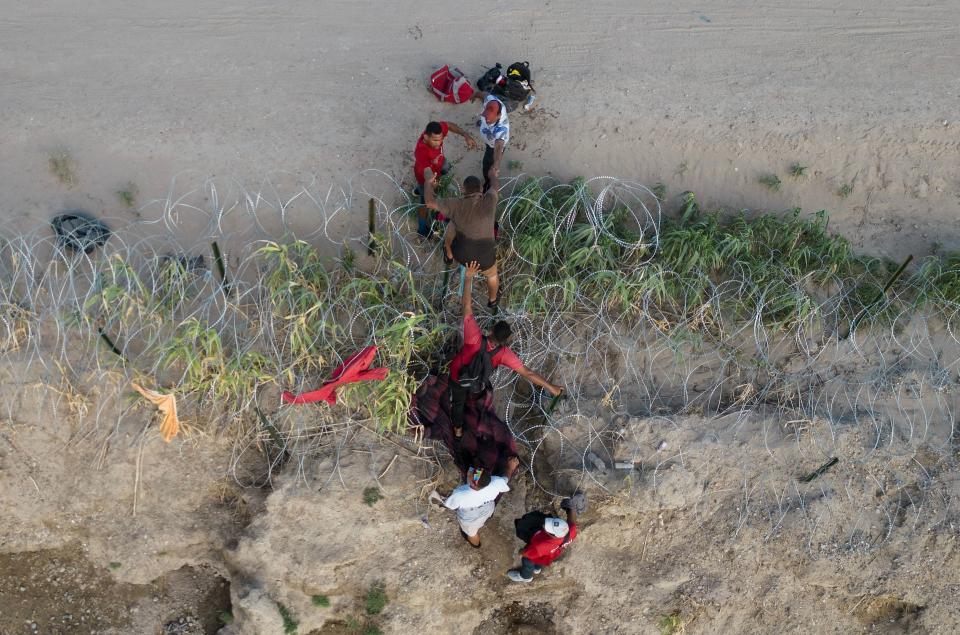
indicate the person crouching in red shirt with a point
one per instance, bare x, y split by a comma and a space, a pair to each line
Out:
429, 163
545, 546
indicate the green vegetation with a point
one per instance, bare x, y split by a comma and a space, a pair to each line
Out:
320, 600
376, 599
289, 624
371, 495
225, 617
128, 194
514, 165
797, 170
671, 625
115, 565
845, 190
660, 191
770, 181
701, 277
64, 167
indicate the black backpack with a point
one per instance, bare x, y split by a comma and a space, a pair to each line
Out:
520, 71
489, 79
475, 375
513, 87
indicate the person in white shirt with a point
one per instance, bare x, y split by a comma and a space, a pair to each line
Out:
495, 130
475, 500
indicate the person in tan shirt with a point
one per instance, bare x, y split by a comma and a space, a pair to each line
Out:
470, 234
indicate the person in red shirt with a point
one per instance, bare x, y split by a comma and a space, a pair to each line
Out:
545, 546
497, 341
428, 164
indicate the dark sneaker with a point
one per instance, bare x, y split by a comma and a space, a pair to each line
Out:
494, 305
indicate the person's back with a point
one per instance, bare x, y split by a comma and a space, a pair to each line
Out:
471, 234
473, 215
544, 547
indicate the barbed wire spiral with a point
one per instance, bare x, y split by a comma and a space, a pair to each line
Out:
693, 349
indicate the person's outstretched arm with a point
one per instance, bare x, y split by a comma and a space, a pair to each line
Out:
498, 149
467, 137
538, 380
429, 181
473, 268
493, 176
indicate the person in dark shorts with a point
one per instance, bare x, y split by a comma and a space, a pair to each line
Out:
429, 163
470, 235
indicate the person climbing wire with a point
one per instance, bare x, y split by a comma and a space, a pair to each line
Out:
429, 164
550, 541
475, 500
480, 354
495, 130
470, 235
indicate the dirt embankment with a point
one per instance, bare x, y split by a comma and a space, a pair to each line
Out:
710, 529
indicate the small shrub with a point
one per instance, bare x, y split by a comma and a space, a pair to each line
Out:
376, 598
63, 167
372, 630
659, 190
128, 194
225, 617
770, 181
845, 190
320, 600
671, 625
797, 170
289, 624
371, 495
115, 565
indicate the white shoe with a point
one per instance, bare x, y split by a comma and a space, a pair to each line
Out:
537, 569
514, 575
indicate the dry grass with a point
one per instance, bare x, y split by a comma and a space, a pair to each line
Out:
64, 167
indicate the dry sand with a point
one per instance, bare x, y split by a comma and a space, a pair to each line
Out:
700, 96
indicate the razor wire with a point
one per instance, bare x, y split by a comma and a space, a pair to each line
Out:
642, 386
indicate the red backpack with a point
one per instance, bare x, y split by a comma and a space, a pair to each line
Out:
450, 85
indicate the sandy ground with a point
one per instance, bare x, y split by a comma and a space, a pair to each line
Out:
701, 96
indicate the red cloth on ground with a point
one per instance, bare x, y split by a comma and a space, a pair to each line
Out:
471, 344
544, 548
426, 157
356, 368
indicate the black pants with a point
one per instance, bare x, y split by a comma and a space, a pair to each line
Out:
458, 399
487, 164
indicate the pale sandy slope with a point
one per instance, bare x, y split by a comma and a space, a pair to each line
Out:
699, 95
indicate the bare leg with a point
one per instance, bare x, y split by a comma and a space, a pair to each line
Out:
493, 283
